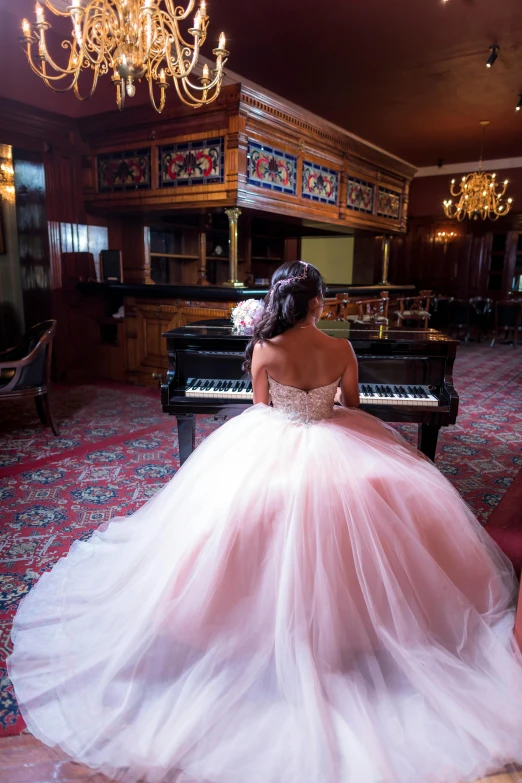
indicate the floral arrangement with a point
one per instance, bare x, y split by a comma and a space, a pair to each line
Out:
246, 314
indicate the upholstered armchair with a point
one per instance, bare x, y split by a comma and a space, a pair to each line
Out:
25, 370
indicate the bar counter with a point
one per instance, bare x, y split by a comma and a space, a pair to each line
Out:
209, 293
118, 327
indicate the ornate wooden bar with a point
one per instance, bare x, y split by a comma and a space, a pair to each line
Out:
166, 184
133, 349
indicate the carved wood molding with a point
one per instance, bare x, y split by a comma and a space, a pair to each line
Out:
20, 124
305, 124
242, 115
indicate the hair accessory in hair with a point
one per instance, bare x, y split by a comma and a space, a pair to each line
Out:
289, 280
286, 281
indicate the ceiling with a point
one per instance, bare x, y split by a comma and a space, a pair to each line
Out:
407, 75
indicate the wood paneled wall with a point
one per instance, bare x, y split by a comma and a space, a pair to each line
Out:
460, 268
47, 161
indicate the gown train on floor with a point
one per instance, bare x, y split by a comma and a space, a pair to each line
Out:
308, 601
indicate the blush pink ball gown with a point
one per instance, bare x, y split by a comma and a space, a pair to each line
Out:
307, 601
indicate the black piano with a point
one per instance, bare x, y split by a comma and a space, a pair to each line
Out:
404, 375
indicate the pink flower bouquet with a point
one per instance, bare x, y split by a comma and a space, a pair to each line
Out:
246, 314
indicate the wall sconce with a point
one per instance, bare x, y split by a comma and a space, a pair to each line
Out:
7, 189
444, 238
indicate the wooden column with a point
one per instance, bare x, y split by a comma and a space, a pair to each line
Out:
202, 270
233, 216
386, 242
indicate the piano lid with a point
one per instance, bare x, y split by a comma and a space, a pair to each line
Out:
221, 328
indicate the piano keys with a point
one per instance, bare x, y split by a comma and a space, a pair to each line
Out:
405, 375
219, 389
369, 393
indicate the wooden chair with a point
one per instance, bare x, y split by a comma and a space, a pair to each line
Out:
347, 307
25, 371
508, 320
332, 309
373, 311
414, 309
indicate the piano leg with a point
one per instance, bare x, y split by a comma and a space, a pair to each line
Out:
427, 439
186, 437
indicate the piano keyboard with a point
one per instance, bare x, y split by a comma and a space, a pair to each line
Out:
212, 389
370, 393
383, 394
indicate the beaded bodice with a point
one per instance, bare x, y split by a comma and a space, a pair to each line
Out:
302, 406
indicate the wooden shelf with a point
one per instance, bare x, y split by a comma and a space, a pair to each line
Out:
182, 256
267, 258
224, 258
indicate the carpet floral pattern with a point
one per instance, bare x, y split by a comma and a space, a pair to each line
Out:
116, 449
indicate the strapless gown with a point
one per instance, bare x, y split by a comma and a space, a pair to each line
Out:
308, 601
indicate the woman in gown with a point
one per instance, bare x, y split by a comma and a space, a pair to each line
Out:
308, 601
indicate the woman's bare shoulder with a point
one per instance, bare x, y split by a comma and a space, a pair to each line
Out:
263, 350
340, 344
344, 347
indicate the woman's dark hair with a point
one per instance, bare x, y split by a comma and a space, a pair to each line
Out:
292, 286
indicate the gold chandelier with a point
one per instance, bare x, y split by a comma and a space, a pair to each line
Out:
132, 40
478, 195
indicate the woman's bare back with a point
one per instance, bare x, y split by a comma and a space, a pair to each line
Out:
306, 358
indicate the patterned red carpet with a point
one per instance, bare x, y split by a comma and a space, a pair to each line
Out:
116, 449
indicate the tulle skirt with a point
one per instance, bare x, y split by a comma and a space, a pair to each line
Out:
300, 604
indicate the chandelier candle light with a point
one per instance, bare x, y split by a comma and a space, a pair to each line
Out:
478, 195
132, 40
